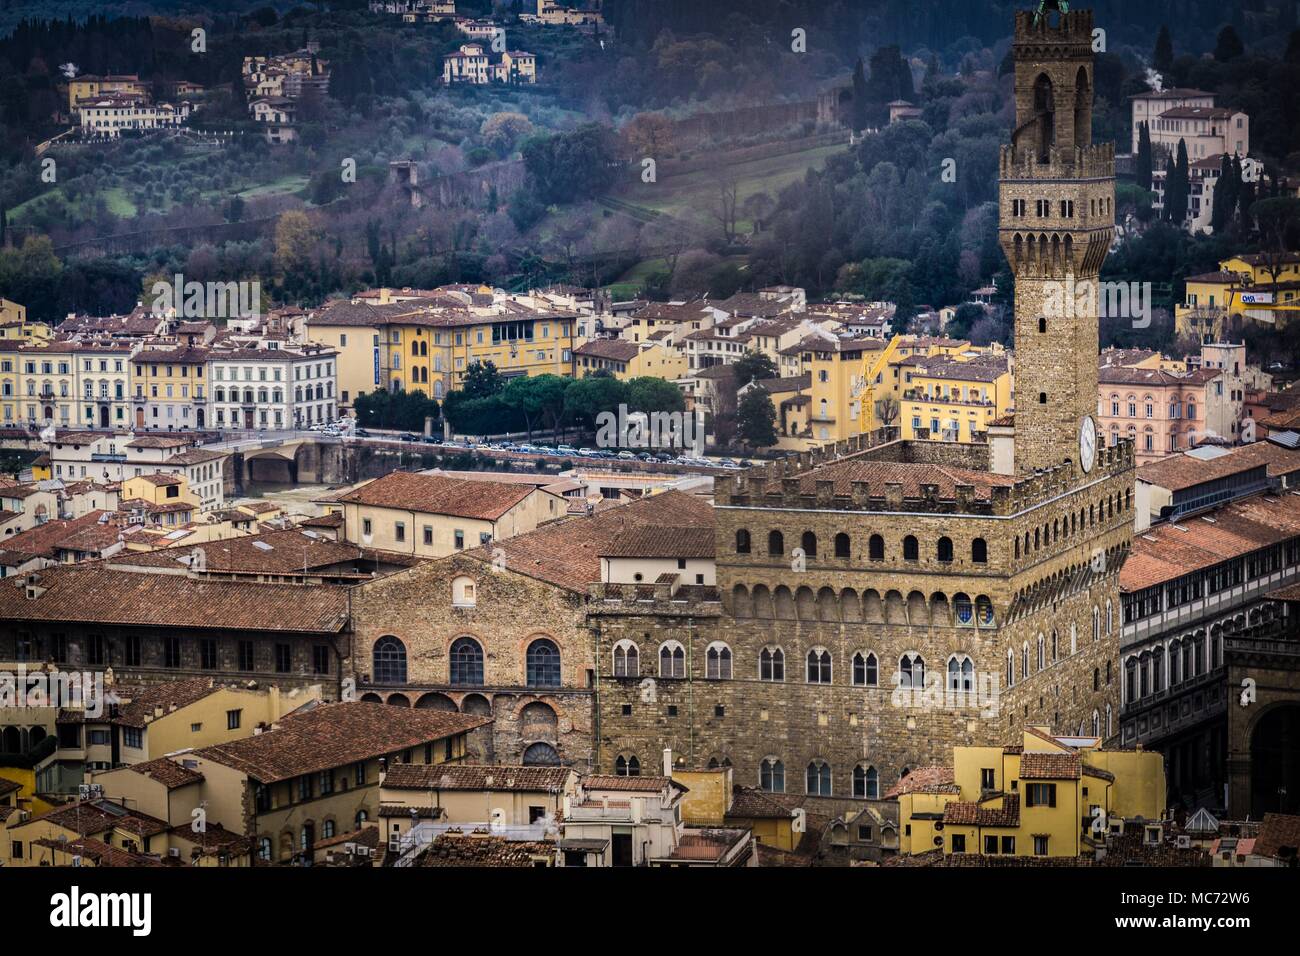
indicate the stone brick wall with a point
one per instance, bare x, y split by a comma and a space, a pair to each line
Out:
511, 612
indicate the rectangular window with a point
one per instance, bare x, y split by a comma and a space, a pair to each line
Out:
171, 652
1040, 795
1040, 846
399, 530
987, 778
991, 845
1008, 845
246, 659
233, 718
320, 659
208, 654
460, 540
283, 658
428, 534
132, 650
958, 843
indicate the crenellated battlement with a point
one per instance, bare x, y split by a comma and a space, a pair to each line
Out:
780, 487
1078, 162
1074, 27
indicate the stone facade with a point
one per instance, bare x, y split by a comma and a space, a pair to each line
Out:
505, 614
1006, 589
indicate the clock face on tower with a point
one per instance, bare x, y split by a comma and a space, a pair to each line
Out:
1087, 443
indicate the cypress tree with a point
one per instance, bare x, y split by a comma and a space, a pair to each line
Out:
1144, 157
1163, 59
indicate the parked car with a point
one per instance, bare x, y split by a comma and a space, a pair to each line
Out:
408, 436
626, 456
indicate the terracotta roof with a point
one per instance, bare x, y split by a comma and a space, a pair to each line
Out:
410, 776
976, 814
567, 554
44, 540
334, 735
434, 494
214, 839
169, 773
1154, 377
1279, 836
102, 853
790, 383
654, 542
98, 816
618, 350
1049, 766
1181, 471
451, 849
751, 803
272, 552
140, 704
104, 596
605, 781
1171, 550
8, 786
925, 780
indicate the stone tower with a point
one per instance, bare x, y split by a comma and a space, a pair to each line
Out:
1056, 224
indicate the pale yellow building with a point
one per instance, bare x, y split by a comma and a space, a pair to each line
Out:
946, 398
432, 516
427, 339
627, 360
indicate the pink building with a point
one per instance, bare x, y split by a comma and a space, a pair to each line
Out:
1164, 412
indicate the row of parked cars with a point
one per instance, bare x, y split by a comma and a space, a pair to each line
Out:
568, 451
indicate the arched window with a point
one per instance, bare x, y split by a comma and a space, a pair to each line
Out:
1096, 724
1110, 617
627, 766
1024, 660
542, 754
1011, 667
672, 660
264, 849
944, 549
1096, 624
771, 664
327, 829
771, 775
389, 661
466, 662
961, 673
809, 544
775, 543
1096, 678
543, 664
717, 662
819, 779
742, 541
1055, 647
1040, 663
865, 670
911, 671
876, 548
819, 666
866, 783
979, 550
910, 549
626, 662
842, 545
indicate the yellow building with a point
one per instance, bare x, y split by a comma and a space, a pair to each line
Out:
628, 360
427, 340
946, 398
432, 516
1054, 796
169, 388
1216, 304
14, 326
87, 87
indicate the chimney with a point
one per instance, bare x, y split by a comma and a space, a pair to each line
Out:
668, 762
